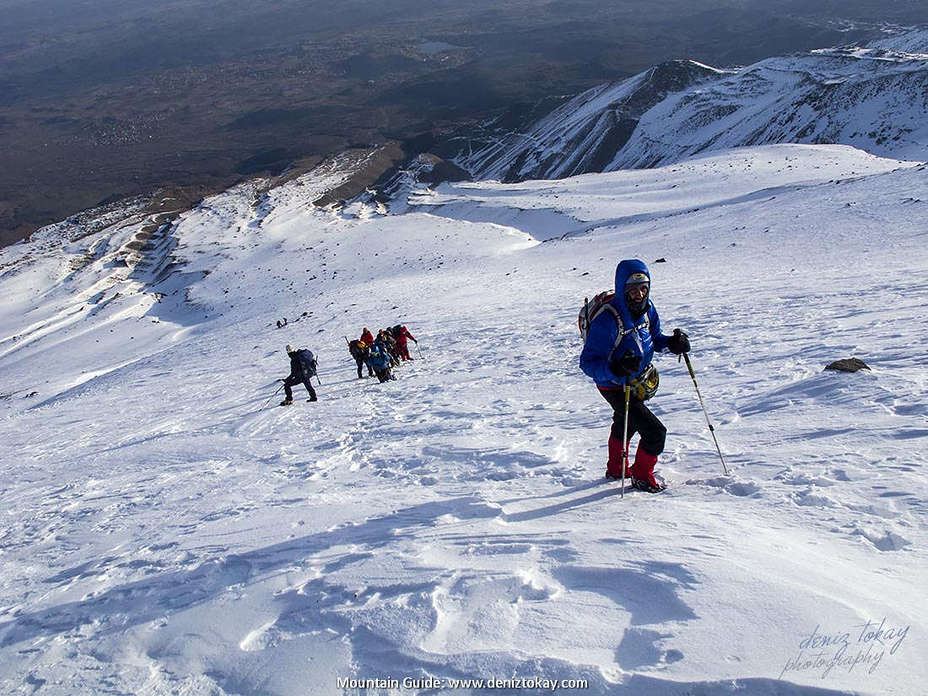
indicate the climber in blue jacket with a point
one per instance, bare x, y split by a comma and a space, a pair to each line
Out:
620, 345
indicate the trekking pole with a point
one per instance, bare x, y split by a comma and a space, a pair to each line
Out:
274, 394
419, 350
624, 464
689, 367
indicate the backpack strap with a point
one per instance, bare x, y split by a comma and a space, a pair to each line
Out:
622, 331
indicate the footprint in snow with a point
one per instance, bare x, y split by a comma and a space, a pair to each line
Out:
882, 539
809, 498
481, 613
729, 485
641, 647
801, 478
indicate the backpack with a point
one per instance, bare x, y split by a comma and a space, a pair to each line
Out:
645, 386
307, 361
592, 308
396, 330
603, 303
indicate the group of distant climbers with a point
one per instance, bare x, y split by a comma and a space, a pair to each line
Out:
621, 333
380, 355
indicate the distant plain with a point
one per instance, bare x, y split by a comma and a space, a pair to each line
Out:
105, 99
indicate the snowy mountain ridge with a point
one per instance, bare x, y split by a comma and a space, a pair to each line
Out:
170, 530
873, 97
583, 135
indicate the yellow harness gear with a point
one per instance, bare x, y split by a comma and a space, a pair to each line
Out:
645, 386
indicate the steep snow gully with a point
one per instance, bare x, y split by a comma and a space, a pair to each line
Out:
166, 533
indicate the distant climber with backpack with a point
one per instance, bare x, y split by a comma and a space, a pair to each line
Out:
622, 333
386, 341
380, 359
302, 369
361, 352
402, 335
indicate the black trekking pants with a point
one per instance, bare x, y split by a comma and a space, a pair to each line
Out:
292, 381
361, 363
640, 420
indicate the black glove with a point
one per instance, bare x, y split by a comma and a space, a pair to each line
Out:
678, 343
625, 366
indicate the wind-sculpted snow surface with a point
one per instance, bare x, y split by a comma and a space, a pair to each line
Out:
169, 532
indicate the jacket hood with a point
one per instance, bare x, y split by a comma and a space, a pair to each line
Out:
622, 272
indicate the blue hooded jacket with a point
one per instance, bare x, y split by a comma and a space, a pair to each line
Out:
641, 337
379, 358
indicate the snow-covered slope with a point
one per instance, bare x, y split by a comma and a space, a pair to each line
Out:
914, 41
874, 98
168, 532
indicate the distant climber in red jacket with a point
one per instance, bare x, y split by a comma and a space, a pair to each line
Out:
401, 346
367, 336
